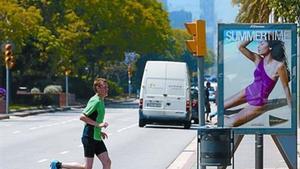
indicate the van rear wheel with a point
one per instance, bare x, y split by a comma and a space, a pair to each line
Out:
142, 123
187, 125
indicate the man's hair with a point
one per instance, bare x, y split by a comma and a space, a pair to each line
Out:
98, 81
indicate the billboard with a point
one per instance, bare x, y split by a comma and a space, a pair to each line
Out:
257, 77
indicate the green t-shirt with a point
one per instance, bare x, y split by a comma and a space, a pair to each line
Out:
95, 110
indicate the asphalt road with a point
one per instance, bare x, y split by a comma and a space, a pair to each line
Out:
32, 142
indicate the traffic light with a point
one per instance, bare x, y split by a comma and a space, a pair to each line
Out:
197, 46
9, 58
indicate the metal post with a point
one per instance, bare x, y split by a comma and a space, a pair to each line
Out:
129, 79
298, 66
67, 91
201, 115
200, 70
129, 86
259, 151
7, 90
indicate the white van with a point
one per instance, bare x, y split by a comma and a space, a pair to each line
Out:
165, 94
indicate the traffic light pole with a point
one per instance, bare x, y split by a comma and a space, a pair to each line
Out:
129, 86
197, 46
200, 70
129, 80
201, 115
67, 91
7, 91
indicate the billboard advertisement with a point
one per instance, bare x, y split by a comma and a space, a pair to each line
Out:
257, 77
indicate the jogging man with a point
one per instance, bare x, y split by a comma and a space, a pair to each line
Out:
92, 137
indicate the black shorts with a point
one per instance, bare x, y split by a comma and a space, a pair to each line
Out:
92, 147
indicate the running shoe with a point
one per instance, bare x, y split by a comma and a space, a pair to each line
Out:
55, 164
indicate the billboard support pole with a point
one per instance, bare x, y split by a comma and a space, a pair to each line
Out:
259, 151
287, 146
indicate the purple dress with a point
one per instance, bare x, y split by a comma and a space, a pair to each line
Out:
257, 93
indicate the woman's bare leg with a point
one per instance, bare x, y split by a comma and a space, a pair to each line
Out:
235, 100
245, 115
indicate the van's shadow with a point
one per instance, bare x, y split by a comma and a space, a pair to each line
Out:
159, 126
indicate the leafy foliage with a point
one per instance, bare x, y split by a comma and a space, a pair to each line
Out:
258, 11
87, 37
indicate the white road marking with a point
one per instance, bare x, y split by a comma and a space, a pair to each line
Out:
64, 152
128, 127
42, 160
52, 124
16, 132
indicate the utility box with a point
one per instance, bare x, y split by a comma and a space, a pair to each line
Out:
215, 146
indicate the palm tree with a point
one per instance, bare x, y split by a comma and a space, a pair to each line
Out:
253, 11
258, 11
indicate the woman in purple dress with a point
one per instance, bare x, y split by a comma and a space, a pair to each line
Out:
271, 65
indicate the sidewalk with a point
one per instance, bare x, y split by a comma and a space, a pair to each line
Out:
188, 158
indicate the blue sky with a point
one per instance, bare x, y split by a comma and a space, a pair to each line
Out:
225, 11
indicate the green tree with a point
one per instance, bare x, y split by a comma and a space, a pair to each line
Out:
119, 26
87, 37
17, 23
70, 34
289, 10
253, 11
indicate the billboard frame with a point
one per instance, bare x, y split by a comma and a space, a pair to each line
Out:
220, 60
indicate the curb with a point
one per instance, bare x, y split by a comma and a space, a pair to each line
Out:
187, 158
4, 116
30, 112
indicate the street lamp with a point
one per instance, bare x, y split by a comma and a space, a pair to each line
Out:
67, 73
129, 59
129, 71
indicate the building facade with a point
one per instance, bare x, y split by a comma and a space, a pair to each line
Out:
207, 13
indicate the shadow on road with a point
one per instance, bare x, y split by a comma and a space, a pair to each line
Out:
160, 126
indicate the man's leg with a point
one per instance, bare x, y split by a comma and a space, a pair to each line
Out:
105, 160
88, 164
59, 165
